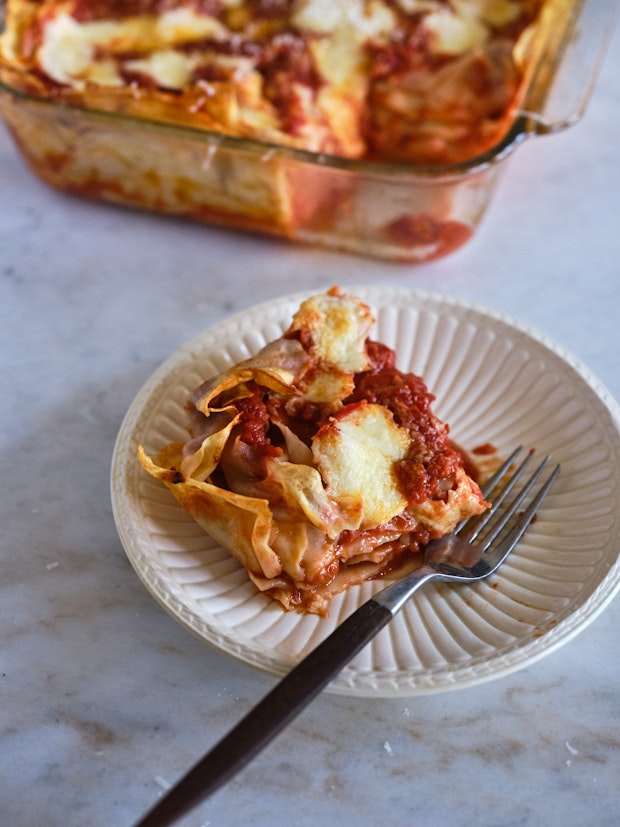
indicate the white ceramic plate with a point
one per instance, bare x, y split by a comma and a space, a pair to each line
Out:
495, 381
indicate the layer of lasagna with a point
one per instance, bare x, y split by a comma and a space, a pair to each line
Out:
317, 463
424, 81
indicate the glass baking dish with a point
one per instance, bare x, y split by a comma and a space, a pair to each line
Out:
396, 211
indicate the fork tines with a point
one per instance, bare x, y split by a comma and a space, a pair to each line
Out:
498, 491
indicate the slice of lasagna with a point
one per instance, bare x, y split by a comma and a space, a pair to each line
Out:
425, 81
317, 463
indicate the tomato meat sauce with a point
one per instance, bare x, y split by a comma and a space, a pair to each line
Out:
427, 472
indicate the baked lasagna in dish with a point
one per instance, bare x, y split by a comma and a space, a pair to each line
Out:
317, 463
422, 81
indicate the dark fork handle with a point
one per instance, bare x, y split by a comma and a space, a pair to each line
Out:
271, 715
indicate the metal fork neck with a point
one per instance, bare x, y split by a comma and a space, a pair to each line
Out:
395, 596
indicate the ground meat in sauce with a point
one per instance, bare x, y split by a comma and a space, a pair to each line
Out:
89, 10
285, 59
427, 472
380, 356
254, 422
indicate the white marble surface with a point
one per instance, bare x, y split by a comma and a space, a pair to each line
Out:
105, 699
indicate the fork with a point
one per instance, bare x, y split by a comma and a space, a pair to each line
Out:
472, 552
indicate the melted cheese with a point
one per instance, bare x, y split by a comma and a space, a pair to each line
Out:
356, 456
363, 18
453, 34
168, 68
70, 50
337, 327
